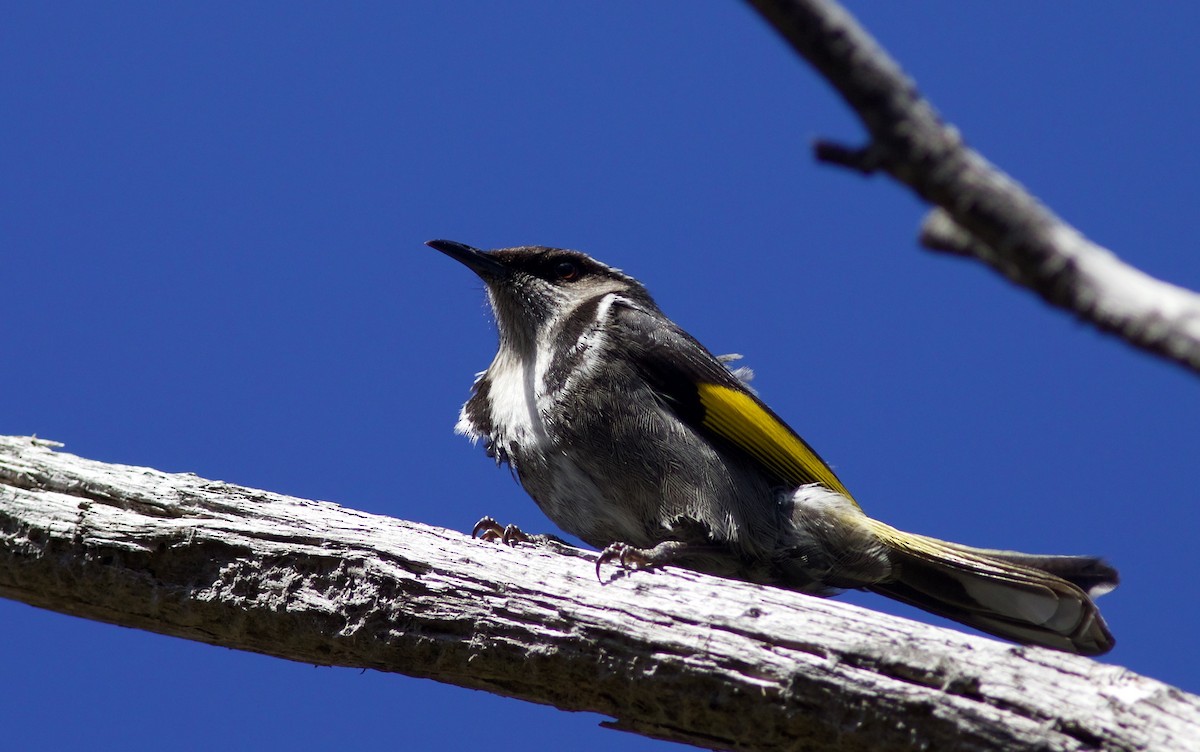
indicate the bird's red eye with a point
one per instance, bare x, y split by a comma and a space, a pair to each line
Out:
566, 271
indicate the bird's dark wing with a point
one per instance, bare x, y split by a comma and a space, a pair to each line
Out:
708, 397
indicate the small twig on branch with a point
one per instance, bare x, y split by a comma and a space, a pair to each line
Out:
864, 159
670, 654
1009, 229
939, 232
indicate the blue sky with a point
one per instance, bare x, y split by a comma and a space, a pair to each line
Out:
211, 222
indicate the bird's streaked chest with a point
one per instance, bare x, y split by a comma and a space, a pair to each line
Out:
514, 402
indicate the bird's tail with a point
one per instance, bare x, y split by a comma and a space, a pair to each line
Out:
1037, 600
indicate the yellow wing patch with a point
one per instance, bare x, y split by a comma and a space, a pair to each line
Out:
743, 420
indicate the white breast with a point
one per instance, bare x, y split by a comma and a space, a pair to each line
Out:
513, 397
517, 390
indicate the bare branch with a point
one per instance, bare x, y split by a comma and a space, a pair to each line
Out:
1009, 229
671, 654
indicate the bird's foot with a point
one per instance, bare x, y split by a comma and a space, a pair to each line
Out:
631, 557
510, 535
489, 530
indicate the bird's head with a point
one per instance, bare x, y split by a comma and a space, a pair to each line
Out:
534, 290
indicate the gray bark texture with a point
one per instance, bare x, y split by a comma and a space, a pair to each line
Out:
979, 211
670, 654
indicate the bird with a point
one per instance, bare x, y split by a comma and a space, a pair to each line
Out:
633, 437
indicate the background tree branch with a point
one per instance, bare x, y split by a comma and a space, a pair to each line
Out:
982, 213
669, 654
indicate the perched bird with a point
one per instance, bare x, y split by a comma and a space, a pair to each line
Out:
629, 434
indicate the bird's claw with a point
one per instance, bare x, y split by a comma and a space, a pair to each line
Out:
625, 555
489, 530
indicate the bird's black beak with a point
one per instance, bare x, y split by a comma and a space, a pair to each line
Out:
483, 264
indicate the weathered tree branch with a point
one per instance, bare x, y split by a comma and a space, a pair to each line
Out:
670, 654
982, 212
